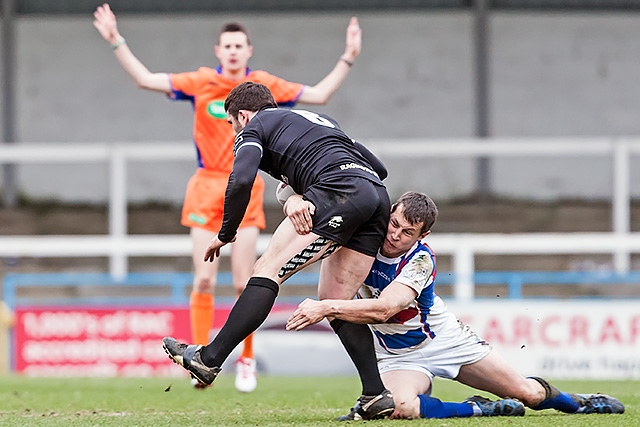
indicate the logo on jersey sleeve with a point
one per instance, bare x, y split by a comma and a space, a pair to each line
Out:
216, 110
237, 142
418, 269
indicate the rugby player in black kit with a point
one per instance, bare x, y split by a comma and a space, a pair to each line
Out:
348, 207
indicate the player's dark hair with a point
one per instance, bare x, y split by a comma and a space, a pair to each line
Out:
418, 209
248, 96
234, 27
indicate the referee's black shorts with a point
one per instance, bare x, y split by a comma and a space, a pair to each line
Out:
352, 211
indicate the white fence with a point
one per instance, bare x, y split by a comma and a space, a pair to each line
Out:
118, 246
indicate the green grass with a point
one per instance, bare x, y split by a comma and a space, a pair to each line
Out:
278, 401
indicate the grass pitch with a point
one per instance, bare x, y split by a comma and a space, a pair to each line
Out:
278, 401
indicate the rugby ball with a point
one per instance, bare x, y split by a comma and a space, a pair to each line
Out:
283, 192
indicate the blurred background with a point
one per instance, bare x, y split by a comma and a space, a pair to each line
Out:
519, 117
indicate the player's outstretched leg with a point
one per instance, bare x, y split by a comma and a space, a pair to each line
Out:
188, 356
577, 403
371, 407
500, 407
431, 407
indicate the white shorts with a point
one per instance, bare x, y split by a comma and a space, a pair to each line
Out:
455, 345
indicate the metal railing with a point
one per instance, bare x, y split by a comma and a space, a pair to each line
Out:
118, 245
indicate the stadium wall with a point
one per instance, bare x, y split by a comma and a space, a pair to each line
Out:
552, 75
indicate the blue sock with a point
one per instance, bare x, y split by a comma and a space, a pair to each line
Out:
556, 399
563, 402
430, 407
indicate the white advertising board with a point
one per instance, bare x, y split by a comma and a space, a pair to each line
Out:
594, 339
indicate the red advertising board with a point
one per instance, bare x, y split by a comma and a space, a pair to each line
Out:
87, 341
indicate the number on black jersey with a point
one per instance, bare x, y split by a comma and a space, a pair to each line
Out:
314, 118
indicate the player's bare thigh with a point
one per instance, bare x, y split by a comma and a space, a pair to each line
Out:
406, 385
288, 248
342, 274
495, 375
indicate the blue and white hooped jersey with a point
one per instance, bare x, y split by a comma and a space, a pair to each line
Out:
411, 327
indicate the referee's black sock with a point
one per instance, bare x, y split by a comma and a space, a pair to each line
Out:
358, 341
247, 314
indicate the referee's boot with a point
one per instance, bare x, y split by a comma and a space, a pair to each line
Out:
188, 356
371, 407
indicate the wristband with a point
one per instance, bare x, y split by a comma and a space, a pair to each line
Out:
118, 43
349, 63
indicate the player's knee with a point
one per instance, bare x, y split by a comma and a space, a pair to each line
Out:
407, 406
531, 393
405, 410
203, 285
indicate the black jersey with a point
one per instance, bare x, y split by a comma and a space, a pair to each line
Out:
298, 147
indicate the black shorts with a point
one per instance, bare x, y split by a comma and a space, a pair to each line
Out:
352, 211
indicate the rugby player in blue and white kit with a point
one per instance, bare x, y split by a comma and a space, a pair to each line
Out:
344, 225
417, 338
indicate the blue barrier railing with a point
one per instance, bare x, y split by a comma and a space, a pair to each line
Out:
515, 280
178, 282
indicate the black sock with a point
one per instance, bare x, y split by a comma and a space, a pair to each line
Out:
358, 341
247, 314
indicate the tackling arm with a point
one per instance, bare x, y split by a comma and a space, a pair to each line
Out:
393, 299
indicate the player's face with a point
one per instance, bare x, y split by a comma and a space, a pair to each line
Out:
238, 123
235, 123
401, 234
233, 51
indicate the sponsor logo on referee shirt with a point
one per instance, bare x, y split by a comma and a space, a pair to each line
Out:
216, 110
335, 221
